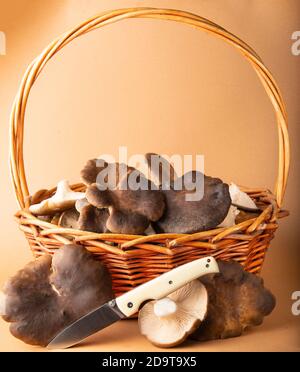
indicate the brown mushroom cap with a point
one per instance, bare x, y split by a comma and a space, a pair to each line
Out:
84, 282
187, 216
69, 219
80, 204
93, 219
131, 211
91, 171
169, 321
50, 293
237, 300
161, 171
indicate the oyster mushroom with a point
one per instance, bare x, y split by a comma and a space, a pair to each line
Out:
149, 230
130, 210
93, 219
49, 293
230, 219
63, 199
2, 304
184, 216
237, 300
69, 219
159, 171
240, 199
55, 218
80, 203
103, 173
169, 321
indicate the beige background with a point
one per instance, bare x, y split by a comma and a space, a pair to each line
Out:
163, 87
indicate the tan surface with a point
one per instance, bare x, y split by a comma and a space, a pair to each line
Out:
165, 88
124, 336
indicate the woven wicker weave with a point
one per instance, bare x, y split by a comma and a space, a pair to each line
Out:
133, 259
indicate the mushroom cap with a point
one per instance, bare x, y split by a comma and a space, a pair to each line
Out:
159, 170
63, 199
80, 204
93, 219
111, 172
240, 199
187, 216
230, 219
55, 218
32, 307
123, 222
69, 219
84, 282
237, 300
49, 293
130, 211
169, 321
2, 304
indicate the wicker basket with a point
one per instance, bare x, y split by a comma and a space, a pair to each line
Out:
133, 259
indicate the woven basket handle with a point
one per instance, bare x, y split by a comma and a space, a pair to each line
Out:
36, 67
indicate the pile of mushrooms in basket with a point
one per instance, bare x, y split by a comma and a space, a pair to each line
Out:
52, 294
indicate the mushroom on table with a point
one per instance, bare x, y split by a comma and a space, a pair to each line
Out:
50, 293
237, 300
214, 306
169, 321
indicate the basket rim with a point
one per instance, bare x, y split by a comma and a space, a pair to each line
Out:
133, 260
267, 215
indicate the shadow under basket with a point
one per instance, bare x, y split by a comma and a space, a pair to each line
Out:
131, 259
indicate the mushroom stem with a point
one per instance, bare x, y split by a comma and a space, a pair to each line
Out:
2, 304
164, 307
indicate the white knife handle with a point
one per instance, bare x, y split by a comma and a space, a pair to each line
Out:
165, 284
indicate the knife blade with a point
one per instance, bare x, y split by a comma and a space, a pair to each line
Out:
128, 304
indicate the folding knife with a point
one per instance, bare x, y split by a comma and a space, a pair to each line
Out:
129, 303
